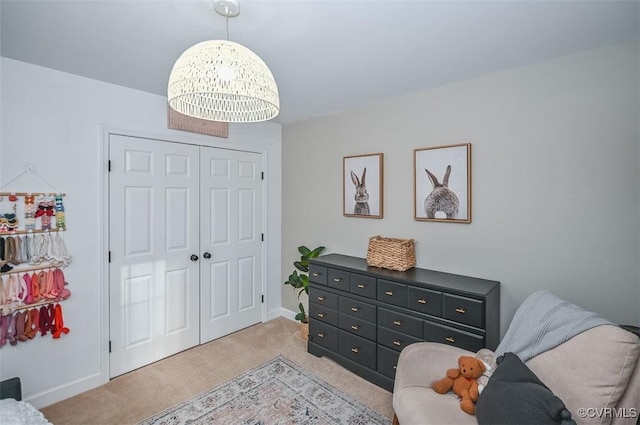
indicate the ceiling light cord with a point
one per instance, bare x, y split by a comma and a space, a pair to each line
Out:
226, 14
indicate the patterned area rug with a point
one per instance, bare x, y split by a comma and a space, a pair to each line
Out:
278, 392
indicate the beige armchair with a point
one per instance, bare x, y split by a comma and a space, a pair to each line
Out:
596, 374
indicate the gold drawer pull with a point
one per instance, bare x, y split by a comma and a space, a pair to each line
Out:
422, 301
397, 322
320, 298
397, 342
450, 339
321, 315
461, 310
395, 367
315, 274
361, 286
354, 327
337, 279
390, 293
321, 335
355, 349
354, 309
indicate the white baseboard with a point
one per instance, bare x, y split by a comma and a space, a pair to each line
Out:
70, 389
281, 312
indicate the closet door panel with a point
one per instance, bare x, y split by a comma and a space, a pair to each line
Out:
177, 224
231, 216
138, 204
153, 231
219, 229
246, 284
219, 293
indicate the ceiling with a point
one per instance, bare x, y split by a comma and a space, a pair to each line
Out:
326, 55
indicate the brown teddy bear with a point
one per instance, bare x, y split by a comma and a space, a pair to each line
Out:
463, 381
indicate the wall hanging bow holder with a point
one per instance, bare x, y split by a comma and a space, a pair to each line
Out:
32, 257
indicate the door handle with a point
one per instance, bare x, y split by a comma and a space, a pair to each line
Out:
206, 255
194, 257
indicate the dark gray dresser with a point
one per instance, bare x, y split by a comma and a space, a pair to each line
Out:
362, 317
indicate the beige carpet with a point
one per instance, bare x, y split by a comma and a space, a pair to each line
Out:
137, 395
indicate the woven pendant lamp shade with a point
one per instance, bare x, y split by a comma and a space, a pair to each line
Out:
220, 80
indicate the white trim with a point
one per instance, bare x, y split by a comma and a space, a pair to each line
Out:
70, 389
104, 259
284, 312
175, 136
265, 222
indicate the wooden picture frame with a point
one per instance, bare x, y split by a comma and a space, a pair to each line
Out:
362, 181
442, 183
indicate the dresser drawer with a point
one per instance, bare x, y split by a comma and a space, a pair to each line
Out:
464, 310
318, 274
358, 349
357, 326
323, 334
387, 361
392, 292
338, 279
322, 313
322, 297
363, 285
394, 339
357, 308
425, 301
400, 322
435, 332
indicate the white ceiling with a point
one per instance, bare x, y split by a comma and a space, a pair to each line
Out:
326, 55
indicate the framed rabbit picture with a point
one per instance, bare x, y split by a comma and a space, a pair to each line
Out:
362, 186
442, 183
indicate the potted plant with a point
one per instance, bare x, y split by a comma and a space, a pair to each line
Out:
299, 280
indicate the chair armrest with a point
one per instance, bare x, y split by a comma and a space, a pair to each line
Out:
11, 388
422, 363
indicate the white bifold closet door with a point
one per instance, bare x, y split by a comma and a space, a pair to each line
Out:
185, 227
231, 232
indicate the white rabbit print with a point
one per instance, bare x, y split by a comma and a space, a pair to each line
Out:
441, 197
362, 186
442, 183
361, 197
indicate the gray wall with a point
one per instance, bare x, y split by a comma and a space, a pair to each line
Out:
556, 157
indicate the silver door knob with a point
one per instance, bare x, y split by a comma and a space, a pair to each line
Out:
206, 255
194, 257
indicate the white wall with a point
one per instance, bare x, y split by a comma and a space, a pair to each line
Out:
556, 157
56, 122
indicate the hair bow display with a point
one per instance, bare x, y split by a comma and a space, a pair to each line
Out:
45, 208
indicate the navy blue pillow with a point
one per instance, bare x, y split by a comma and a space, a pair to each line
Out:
515, 395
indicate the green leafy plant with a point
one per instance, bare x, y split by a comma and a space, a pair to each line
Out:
299, 279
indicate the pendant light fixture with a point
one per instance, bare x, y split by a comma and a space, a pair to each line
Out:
220, 80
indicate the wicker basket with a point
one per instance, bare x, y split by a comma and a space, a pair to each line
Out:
390, 253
